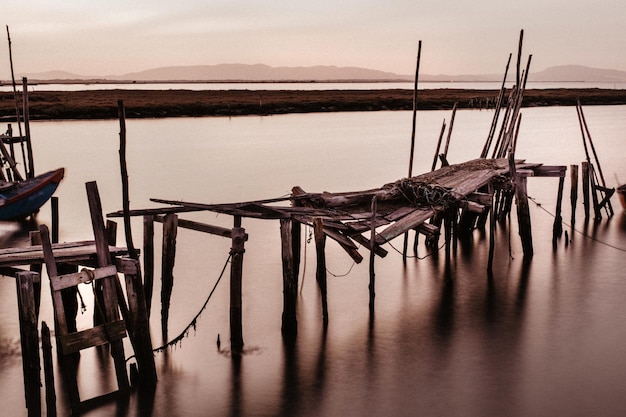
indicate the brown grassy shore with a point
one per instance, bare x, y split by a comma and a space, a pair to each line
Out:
102, 104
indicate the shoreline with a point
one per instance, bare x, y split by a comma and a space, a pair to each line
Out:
102, 104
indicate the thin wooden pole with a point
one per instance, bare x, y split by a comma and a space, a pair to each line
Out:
320, 274
417, 70
595, 156
132, 252
372, 284
445, 149
496, 115
443, 129
17, 107
30, 168
574, 191
584, 166
236, 273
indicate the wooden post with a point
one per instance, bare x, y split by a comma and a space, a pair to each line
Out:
320, 274
109, 286
170, 229
54, 206
557, 227
48, 368
30, 340
236, 273
372, 285
290, 280
594, 196
35, 239
436, 157
585, 183
523, 216
132, 252
148, 259
67, 363
139, 324
30, 172
492, 229
574, 191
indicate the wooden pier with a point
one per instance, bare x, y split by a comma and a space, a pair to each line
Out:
457, 197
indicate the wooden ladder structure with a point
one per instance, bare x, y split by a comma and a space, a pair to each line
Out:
108, 305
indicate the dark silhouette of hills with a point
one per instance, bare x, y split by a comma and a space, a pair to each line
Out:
266, 73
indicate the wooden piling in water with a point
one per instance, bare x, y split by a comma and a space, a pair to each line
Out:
236, 271
320, 273
138, 323
585, 185
573, 192
170, 229
372, 284
148, 259
290, 280
29, 340
492, 229
48, 371
557, 227
54, 232
30, 170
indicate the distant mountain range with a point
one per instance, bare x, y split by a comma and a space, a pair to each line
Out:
260, 73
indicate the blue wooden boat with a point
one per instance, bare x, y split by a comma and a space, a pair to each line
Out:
19, 200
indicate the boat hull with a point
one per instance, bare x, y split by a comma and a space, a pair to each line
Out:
28, 196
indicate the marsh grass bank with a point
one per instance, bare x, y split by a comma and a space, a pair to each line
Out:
102, 104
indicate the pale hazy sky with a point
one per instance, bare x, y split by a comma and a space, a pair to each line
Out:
458, 36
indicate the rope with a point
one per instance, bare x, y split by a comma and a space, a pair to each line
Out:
576, 230
194, 321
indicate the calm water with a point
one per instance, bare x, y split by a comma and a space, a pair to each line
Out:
543, 340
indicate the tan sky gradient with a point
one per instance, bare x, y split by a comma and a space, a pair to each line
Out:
459, 36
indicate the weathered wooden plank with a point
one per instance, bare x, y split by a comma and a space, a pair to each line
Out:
65, 253
61, 282
96, 336
406, 223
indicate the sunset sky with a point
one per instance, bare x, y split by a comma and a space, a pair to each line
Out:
115, 37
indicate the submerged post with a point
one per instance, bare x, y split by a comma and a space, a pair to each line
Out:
585, 183
48, 369
290, 280
170, 229
557, 227
30, 340
148, 259
372, 285
320, 274
574, 191
236, 271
